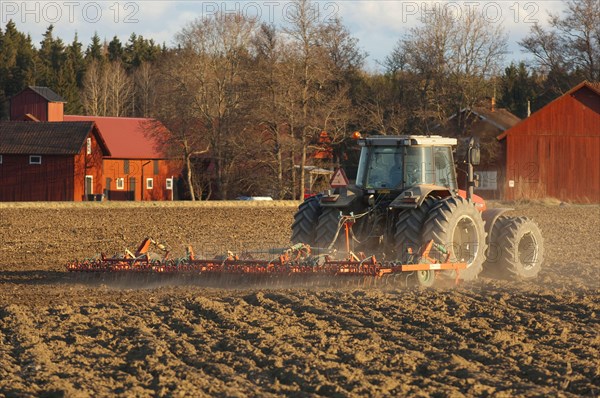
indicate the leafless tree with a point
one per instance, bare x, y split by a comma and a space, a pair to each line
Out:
119, 89
145, 90
107, 89
453, 57
570, 49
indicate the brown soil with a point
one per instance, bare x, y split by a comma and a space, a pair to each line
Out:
62, 336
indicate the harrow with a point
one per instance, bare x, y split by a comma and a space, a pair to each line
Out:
294, 261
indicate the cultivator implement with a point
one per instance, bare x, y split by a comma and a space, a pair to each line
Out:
295, 262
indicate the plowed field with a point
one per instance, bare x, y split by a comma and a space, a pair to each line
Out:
62, 336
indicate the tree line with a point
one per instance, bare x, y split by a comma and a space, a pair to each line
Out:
246, 102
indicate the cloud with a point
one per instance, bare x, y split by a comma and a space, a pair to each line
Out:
377, 24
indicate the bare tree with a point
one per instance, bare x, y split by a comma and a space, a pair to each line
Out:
145, 90
94, 93
314, 98
453, 56
176, 109
119, 90
107, 89
218, 58
570, 49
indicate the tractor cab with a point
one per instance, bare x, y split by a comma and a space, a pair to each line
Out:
396, 163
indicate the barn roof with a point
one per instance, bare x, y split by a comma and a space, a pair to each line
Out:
500, 117
45, 138
47, 93
593, 86
128, 138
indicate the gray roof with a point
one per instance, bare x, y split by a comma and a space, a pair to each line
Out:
43, 138
47, 93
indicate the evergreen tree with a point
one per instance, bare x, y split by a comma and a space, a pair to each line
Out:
52, 58
139, 50
517, 87
71, 77
17, 65
75, 55
115, 50
95, 50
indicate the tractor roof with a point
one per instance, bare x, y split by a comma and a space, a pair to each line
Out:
406, 140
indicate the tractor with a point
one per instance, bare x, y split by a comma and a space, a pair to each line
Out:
406, 195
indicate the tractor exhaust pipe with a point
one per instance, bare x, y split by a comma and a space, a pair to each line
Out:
473, 159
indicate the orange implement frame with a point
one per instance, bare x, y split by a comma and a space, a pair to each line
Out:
295, 260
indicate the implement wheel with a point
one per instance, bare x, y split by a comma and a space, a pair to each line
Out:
456, 224
516, 249
306, 220
425, 278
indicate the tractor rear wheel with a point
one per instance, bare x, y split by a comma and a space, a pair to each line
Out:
516, 249
408, 229
306, 220
456, 224
327, 229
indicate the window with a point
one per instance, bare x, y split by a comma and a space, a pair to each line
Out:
156, 169
488, 180
126, 166
149, 183
89, 186
35, 159
120, 184
89, 146
169, 184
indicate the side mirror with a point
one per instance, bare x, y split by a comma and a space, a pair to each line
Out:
474, 156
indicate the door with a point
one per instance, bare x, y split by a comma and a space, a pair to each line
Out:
89, 187
132, 188
107, 188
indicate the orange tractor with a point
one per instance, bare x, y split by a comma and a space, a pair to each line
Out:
405, 210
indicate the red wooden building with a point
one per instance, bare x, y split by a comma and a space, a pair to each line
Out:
136, 169
556, 151
40, 102
133, 167
50, 161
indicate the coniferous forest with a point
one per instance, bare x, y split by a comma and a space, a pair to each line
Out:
244, 99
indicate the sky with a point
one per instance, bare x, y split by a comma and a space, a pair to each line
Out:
378, 24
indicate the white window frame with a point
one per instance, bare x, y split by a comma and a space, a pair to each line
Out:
120, 184
31, 157
88, 142
169, 184
91, 179
149, 183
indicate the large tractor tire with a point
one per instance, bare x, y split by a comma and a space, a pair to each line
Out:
327, 229
516, 249
306, 220
456, 224
409, 227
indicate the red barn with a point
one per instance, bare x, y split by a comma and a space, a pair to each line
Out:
556, 151
40, 102
50, 161
136, 168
